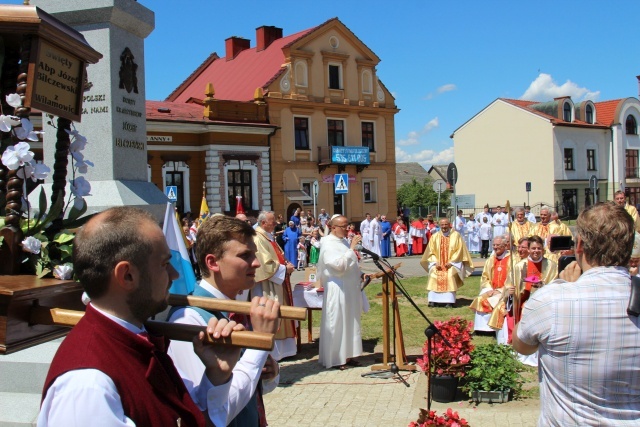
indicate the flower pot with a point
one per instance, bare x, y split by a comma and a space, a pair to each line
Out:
491, 396
443, 388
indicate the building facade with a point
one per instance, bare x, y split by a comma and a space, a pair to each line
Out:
549, 152
331, 114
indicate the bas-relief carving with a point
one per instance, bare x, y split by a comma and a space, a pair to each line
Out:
128, 71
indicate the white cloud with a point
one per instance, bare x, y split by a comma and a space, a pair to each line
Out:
447, 88
425, 157
544, 88
442, 89
413, 137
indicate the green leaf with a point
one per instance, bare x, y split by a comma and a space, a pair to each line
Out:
42, 205
53, 213
1, 240
74, 213
64, 237
65, 251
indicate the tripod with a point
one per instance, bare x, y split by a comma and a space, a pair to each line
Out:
389, 292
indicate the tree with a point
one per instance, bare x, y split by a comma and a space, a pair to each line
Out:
415, 195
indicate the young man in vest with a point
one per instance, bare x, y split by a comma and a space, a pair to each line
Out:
227, 257
109, 370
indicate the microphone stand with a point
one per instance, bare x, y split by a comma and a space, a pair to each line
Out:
431, 331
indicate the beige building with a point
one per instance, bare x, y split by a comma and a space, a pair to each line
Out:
554, 146
332, 114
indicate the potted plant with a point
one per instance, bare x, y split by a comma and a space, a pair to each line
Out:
448, 363
494, 374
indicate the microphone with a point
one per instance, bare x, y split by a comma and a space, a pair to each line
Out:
373, 255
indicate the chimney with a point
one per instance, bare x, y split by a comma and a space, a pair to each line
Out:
266, 35
234, 45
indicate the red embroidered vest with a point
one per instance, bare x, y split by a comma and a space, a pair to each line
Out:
150, 388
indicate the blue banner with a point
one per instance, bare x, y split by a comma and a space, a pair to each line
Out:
350, 155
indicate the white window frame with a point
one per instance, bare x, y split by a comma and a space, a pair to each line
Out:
373, 190
246, 165
184, 168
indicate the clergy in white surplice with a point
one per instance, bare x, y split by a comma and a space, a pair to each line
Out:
473, 240
365, 231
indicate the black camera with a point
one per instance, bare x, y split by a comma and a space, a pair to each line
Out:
562, 243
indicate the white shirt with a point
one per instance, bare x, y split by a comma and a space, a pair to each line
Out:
246, 373
88, 397
530, 217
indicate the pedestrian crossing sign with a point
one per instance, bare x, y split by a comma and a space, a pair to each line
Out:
341, 181
172, 193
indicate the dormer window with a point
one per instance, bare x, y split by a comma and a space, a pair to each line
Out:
566, 112
631, 125
588, 114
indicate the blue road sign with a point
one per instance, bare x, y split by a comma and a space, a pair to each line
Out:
172, 193
341, 183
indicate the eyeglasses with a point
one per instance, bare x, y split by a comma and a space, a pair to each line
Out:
341, 226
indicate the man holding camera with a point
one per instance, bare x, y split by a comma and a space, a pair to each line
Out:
587, 343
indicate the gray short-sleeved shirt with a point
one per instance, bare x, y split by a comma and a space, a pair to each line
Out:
589, 350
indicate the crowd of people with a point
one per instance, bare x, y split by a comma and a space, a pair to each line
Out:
577, 329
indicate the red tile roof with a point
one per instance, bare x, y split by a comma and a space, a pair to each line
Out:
605, 111
238, 78
601, 117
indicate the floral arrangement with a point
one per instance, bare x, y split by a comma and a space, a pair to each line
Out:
447, 360
494, 367
48, 252
431, 418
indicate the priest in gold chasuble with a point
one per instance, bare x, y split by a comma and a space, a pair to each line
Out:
272, 280
448, 262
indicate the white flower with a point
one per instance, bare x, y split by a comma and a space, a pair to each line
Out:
7, 122
63, 272
78, 142
17, 156
14, 100
34, 170
26, 131
80, 187
31, 244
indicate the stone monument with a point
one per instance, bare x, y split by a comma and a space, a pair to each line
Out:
114, 116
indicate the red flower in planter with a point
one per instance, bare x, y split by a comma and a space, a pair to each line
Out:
449, 360
431, 418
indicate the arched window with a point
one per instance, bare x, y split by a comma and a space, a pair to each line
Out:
631, 125
566, 116
301, 74
588, 116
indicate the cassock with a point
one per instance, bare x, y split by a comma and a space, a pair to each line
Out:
273, 282
339, 274
494, 276
375, 236
365, 231
418, 235
473, 241
500, 222
385, 243
400, 237
442, 249
290, 238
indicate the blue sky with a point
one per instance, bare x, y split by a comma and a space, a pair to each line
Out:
443, 61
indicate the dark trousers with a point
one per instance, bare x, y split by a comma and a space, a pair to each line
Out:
484, 251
